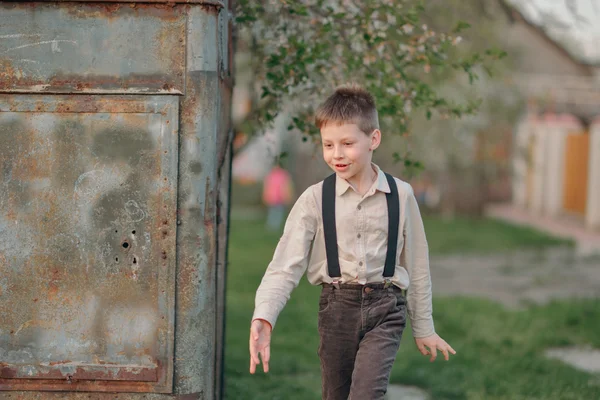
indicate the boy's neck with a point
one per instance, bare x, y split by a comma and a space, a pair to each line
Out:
363, 181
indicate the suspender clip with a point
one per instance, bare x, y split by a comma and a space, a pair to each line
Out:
388, 283
336, 283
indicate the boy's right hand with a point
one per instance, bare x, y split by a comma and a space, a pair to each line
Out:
260, 343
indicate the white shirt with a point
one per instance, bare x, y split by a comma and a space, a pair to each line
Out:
362, 229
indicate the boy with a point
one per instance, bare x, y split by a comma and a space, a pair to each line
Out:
338, 231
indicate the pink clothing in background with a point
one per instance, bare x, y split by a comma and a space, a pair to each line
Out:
277, 188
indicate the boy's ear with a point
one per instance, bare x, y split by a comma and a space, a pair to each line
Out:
375, 139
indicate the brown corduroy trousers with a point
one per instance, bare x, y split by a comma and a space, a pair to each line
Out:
360, 328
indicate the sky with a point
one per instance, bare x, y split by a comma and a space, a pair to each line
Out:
586, 32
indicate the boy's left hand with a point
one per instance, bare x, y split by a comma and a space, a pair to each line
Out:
431, 344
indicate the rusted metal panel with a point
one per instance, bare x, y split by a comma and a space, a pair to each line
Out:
92, 48
87, 242
224, 145
67, 189
196, 245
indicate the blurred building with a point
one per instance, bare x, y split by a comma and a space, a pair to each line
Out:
556, 147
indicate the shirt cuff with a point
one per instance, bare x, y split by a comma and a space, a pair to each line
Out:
422, 328
267, 316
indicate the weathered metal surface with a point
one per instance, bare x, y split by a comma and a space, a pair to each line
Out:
224, 145
196, 244
194, 194
87, 242
92, 48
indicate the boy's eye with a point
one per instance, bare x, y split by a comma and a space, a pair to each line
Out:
348, 144
328, 145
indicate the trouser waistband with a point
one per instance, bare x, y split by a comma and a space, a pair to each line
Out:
356, 286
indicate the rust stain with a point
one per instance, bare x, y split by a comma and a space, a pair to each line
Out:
7, 71
52, 291
175, 45
60, 362
80, 104
63, 385
87, 379
108, 10
69, 83
86, 372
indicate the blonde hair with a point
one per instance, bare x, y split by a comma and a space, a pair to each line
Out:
349, 104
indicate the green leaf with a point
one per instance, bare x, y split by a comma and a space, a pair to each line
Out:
461, 26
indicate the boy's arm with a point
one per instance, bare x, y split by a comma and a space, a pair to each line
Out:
289, 261
415, 258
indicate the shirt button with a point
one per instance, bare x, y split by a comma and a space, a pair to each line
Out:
358, 236
359, 207
360, 263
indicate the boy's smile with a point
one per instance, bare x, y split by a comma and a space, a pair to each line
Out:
341, 167
348, 151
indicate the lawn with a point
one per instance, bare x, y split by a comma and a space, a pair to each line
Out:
470, 235
500, 352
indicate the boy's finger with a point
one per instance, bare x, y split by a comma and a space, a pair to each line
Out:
254, 359
433, 352
422, 349
252, 366
254, 353
445, 353
266, 356
451, 349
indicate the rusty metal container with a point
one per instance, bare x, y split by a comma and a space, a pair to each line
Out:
114, 176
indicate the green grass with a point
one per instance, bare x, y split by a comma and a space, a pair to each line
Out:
500, 352
483, 235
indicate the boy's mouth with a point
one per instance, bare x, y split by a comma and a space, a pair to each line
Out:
341, 167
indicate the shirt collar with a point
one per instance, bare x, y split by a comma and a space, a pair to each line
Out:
381, 184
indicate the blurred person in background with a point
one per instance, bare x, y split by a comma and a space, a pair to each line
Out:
277, 195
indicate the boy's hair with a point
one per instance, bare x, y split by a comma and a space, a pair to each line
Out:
349, 104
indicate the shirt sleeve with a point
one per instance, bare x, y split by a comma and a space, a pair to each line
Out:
415, 258
290, 260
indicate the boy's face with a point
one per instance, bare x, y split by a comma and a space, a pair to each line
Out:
348, 150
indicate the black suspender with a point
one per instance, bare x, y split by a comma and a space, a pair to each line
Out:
393, 206
329, 229
330, 233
